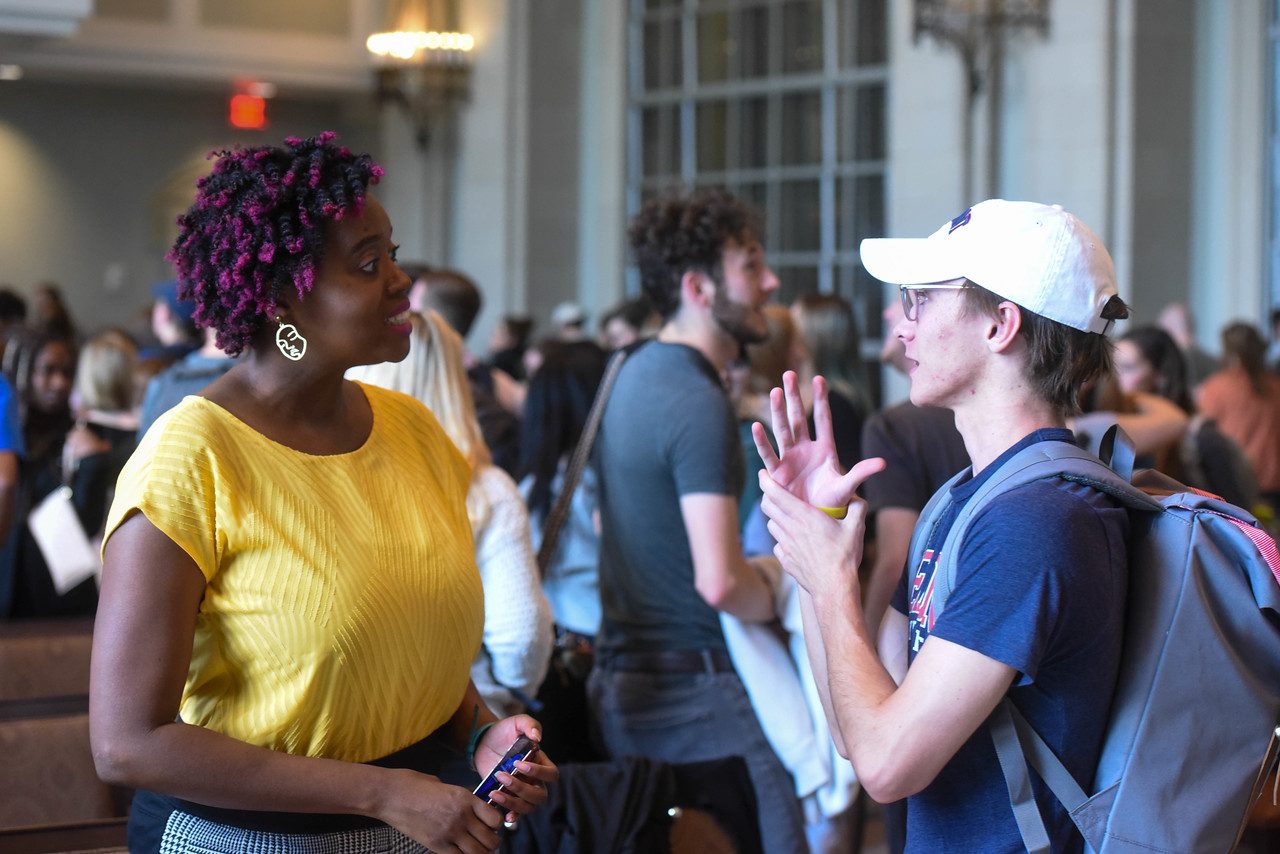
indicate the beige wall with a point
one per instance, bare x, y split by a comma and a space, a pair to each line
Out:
91, 178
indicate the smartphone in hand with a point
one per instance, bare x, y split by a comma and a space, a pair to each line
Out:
518, 751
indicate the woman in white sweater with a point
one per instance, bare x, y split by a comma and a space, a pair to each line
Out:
517, 618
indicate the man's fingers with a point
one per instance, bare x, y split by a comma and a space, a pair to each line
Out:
763, 448
778, 415
860, 472
780, 504
822, 414
795, 407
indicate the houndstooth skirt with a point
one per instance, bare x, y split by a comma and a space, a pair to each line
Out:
185, 833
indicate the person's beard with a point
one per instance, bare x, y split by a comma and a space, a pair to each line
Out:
743, 323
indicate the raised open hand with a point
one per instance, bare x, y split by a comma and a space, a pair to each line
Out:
808, 467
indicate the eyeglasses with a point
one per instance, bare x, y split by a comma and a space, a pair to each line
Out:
913, 297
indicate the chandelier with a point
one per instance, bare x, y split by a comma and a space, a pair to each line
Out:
422, 61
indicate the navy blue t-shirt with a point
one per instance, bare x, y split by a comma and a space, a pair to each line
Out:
1040, 586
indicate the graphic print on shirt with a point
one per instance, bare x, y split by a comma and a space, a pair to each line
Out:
920, 614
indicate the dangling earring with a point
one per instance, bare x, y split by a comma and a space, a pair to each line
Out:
290, 341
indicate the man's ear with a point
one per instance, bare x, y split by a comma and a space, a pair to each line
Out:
696, 288
1004, 327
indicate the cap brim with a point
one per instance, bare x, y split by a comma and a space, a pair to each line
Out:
908, 261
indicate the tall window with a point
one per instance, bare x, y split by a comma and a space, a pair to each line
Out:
783, 103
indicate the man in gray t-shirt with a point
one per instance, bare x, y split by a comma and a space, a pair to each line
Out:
670, 472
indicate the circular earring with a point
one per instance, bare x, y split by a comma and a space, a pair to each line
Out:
290, 341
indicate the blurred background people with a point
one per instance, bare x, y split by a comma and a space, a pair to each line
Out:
186, 376
828, 337
498, 397
556, 407
173, 324
628, 322
559, 399
49, 313
13, 314
1177, 320
44, 370
1244, 398
1273, 349
105, 400
568, 322
508, 343
1148, 361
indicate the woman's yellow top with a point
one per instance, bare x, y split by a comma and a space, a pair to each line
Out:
343, 607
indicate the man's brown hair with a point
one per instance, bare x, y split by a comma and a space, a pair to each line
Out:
1061, 360
675, 234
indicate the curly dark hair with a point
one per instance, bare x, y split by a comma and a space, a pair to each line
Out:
257, 227
673, 235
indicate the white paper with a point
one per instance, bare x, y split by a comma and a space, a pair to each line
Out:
62, 541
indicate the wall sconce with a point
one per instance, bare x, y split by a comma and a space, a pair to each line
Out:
422, 62
978, 30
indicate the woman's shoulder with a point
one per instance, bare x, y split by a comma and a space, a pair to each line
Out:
496, 484
193, 421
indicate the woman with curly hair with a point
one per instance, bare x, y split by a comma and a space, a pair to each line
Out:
290, 604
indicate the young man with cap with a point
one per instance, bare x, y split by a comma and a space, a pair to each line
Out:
1005, 309
173, 323
670, 470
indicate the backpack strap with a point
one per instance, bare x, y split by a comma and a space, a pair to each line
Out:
1013, 764
930, 516
577, 463
1117, 452
1037, 462
1041, 460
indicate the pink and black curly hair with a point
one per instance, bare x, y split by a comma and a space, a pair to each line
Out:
257, 228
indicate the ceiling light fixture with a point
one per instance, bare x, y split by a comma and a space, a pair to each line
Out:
422, 61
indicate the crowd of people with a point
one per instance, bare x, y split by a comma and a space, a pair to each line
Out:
324, 519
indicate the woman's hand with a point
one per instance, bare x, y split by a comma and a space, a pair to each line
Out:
809, 468
526, 790
440, 816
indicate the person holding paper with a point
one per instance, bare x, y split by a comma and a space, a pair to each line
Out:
290, 602
42, 577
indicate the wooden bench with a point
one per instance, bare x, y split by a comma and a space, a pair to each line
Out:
50, 796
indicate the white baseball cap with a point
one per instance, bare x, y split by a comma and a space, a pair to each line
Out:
1039, 256
567, 313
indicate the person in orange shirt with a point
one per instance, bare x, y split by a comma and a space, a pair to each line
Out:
1244, 398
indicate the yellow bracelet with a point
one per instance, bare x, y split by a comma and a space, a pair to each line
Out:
835, 512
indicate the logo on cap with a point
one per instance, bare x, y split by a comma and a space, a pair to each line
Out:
963, 219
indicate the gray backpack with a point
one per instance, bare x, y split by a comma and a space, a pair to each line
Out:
1192, 732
